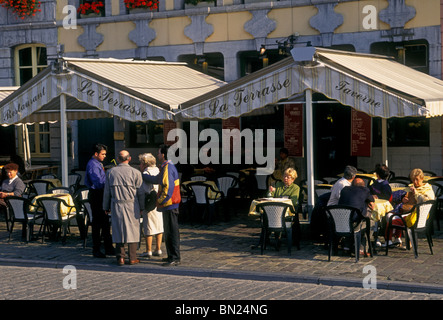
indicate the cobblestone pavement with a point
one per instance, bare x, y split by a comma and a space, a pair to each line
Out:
37, 283
229, 250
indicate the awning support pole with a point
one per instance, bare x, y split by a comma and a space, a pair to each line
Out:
64, 140
309, 152
384, 141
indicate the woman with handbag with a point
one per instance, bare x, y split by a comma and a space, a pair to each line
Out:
152, 219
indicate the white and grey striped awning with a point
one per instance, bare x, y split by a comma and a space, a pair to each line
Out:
374, 84
97, 88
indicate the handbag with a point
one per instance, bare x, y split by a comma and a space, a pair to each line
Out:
150, 200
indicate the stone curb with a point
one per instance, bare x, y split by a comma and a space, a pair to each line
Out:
229, 274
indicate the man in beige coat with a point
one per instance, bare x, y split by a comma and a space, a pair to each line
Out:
122, 200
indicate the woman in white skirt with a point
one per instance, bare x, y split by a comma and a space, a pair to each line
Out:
152, 220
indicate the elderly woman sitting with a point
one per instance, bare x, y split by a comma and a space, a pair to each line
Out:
287, 188
419, 192
12, 185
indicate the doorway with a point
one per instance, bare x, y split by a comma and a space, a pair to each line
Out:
332, 138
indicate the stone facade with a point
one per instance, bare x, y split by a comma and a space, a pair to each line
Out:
231, 27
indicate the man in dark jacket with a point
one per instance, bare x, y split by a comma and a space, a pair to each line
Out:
357, 195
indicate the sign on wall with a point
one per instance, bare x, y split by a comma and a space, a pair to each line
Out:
360, 134
293, 129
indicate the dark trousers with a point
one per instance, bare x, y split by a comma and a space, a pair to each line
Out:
171, 234
132, 250
100, 221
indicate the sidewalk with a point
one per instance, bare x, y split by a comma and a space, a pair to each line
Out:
229, 249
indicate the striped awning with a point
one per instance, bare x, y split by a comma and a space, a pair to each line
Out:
374, 84
97, 88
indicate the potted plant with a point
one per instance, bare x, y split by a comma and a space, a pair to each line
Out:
136, 6
199, 3
22, 8
90, 9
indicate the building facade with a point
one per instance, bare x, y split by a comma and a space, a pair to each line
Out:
226, 39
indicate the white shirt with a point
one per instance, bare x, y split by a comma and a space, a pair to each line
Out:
336, 190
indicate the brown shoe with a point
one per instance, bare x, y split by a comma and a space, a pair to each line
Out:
131, 262
120, 261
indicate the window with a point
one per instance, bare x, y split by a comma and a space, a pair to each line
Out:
29, 61
148, 134
402, 132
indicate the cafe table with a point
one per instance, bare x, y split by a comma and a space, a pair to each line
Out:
381, 208
64, 196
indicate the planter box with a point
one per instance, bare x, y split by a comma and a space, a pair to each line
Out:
255, 1
90, 15
202, 4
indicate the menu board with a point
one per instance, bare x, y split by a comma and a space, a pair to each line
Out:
168, 125
360, 134
293, 129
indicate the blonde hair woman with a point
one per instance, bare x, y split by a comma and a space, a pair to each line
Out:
287, 188
419, 191
152, 220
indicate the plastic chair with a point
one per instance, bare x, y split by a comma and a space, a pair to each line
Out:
60, 190
274, 219
227, 185
398, 184
53, 216
341, 224
81, 199
437, 185
198, 178
422, 223
200, 194
404, 180
19, 211
40, 187
320, 190
74, 181
48, 176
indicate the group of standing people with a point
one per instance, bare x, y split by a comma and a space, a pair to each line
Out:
120, 192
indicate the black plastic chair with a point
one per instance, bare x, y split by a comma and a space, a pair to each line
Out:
201, 198
60, 190
53, 218
423, 222
274, 218
346, 221
19, 211
228, 185
39, 187
74, 181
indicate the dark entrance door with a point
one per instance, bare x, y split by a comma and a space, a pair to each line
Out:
332, 138
94, 131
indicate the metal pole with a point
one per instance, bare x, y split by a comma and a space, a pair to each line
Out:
309, 152
64, 140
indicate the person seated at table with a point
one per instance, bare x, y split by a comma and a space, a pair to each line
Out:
380, 188
285, 162
12, 185
287, 188
419, 192
356, 195
345, 181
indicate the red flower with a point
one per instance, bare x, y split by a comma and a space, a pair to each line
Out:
151, 4
22, 8
90, 7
